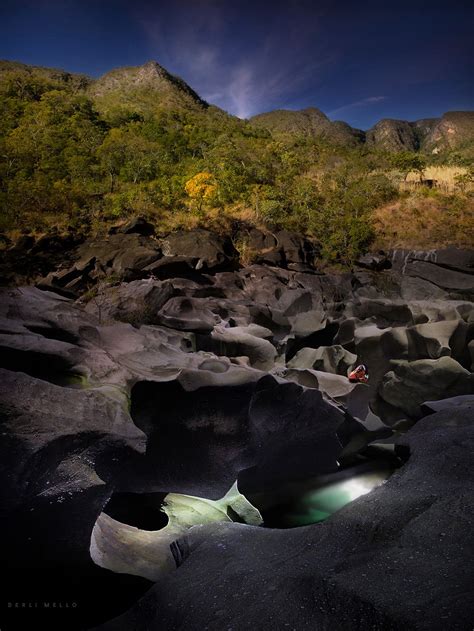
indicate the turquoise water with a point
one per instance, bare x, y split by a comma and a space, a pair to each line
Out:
313, 501
319, 504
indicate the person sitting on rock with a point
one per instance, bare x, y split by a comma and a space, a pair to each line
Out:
359, 374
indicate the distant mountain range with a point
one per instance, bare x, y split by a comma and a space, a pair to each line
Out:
433, 135
150, 85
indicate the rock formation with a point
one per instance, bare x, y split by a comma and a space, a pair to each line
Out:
154, 367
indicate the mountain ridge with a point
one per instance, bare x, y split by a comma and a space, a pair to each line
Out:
143, 83
150, 85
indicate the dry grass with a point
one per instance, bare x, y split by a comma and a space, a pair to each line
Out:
217, 219
443, 176
425, 221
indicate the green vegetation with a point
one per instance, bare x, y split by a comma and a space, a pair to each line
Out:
407, 161
80, 158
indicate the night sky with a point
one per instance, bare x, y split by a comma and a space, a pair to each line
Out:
357, 61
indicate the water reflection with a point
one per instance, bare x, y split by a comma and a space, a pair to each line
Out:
312, 501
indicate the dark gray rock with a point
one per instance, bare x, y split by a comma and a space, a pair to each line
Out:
30, 259
352, 397
64, 452
437, 339
189, 372
212, 251
460, 259
465, 402
445, 278
376, 262
258, 246
260, 430
137, 302
383, 312
393, 559
451, 269
139, 225
187, 314
175, 267
245, 341
24, 243
333, 359
409, 384
295, 249
260, 241
120, 257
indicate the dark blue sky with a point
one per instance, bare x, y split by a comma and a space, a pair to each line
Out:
357, 61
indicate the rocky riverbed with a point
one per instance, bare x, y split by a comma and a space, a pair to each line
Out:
141, 373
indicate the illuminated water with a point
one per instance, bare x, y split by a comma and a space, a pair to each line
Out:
313, 501
319, 504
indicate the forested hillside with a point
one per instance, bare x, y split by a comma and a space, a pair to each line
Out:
78, 154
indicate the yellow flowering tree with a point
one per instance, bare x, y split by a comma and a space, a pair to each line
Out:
201, 188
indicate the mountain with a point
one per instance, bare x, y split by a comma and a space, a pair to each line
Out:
392, 135
423, 128
148, 87
143, 86
310, 122
29, 75
455, 130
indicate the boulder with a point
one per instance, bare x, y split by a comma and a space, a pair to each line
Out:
393, 558
175, 267
245, 341
259, 241
187, 314
137, 302
64, 451
138, 225
375, 262
315, 432
437, 339
451, 257
258, 246
450, 269
352, 397
120, 257
414, 288
383, 312
212, 251
450, 280
125, 549
461, 259
282, 248
24, 243
296, 250
30, 259
333, 359
465, 402
409, 384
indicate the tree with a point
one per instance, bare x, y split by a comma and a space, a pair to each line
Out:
112, 155
407, 161
465, 179
48, 160
343, 221
201, 188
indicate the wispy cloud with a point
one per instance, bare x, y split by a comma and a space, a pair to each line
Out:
242, 72
356, 104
